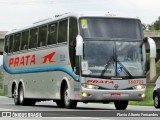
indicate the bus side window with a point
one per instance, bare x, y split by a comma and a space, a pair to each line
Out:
73, 31
62, 31
17, 42
33, 38
52, 34
24, 42
6, 44
11, 44
42, 36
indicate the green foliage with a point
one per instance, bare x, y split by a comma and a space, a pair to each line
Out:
151, 27
1, 92
155, 25
1, 81
1, 84
158, 67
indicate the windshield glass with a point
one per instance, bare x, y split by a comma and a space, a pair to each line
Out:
130, 55
96, 54
111, 28
113, 59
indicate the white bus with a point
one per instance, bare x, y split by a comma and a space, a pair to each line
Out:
76, 57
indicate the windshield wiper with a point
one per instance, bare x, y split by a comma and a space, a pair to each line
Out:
124, 68
106, 66
116, 60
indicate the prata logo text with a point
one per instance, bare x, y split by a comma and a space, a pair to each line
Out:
28, 60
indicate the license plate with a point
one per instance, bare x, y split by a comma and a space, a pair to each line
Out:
115, 95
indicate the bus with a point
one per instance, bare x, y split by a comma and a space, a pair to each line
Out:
76, 57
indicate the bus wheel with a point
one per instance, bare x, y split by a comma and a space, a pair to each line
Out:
16, 96
71, 104
156, 101
121, 105
24, 101
21, 96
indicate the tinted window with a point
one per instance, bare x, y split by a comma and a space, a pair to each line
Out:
42, 36
62, 31
6, 44
52, 35
11, 43
109, 28
24, 42
73, 31
17, 38
33, 38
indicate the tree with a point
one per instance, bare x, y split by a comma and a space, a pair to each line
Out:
157, 24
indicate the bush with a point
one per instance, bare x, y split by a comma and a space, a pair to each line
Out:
1, 92
1, 81
158, 67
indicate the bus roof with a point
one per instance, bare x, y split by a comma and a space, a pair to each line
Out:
70, 14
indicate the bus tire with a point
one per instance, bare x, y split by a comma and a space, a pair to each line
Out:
157, 101
23, 101
121, 105
70, 104
16, 96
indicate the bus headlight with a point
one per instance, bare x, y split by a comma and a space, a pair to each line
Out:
139, 87
89, 86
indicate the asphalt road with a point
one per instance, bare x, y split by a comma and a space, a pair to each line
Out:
83, 111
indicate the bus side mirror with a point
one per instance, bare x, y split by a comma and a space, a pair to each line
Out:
79, 45
152, 46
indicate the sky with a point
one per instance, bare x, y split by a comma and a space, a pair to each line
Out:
15, 14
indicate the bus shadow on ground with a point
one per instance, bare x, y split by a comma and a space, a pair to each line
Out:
77, 108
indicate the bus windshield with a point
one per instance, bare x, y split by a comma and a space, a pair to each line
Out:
111, 28
113, 58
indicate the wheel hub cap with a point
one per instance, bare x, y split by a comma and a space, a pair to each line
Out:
67, 96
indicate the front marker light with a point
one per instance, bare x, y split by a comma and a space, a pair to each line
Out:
89, 86
139, 87
84, 94
92, 86
143, 95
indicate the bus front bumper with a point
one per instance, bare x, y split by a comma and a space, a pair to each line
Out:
112, 95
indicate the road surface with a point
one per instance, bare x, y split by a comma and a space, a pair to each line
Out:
83, 111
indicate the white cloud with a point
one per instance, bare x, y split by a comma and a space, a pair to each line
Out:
16, 13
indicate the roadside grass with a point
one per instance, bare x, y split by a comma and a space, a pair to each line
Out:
148, 100
1, 92
1, 85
